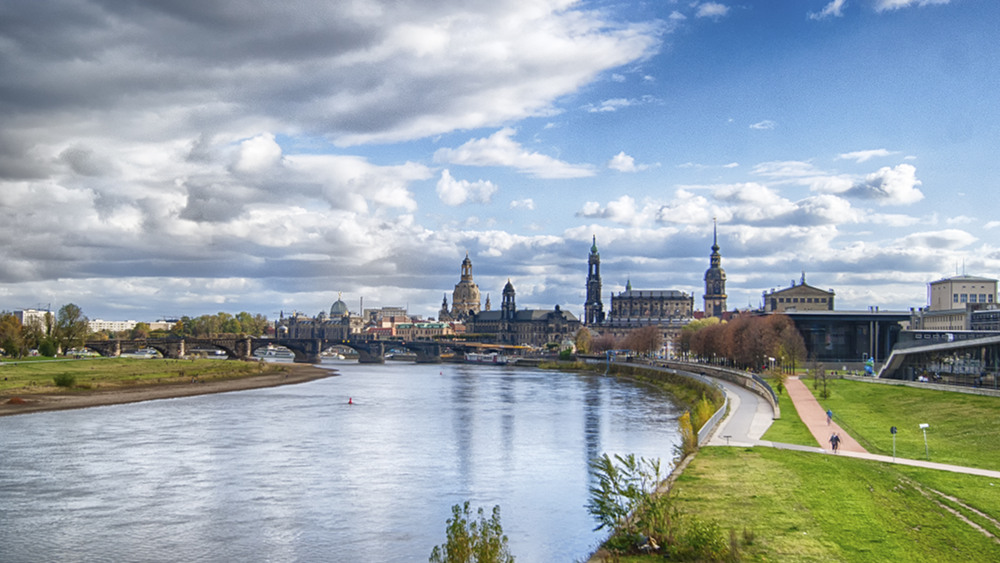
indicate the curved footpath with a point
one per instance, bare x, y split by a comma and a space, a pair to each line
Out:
750, 416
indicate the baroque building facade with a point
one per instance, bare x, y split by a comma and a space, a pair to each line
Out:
531, 327
465, 299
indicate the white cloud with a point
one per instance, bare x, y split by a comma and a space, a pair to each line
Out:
889, 186
711, 10
625, 163
613, 104
258, 154
886, 5
527, 203
834, 8
785, 169
865, 156
456, 192
500, 149
623, 210
765, 125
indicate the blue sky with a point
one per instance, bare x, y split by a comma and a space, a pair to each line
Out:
170, 159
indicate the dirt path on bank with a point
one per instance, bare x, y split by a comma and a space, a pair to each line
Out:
296, 373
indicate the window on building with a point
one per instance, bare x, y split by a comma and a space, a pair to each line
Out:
964, 298
955, 298
972, 298
982, 298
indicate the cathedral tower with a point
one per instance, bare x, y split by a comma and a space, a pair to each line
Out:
465, 298
715, 280
594, 309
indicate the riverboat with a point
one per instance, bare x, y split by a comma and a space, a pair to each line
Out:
486, 358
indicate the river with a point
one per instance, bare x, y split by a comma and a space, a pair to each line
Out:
295, 473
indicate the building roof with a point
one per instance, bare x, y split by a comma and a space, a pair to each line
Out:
965, 278
652, 293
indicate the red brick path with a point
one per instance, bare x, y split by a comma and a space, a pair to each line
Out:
814, 417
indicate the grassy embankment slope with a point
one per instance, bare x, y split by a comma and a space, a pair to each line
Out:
25, 378
813, 507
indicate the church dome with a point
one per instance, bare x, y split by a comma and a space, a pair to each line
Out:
339, 309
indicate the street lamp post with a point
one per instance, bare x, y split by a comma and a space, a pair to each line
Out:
923, 426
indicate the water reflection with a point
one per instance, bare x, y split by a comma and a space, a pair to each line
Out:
296, 474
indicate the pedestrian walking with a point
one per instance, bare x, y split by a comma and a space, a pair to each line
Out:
834, 442
829, 416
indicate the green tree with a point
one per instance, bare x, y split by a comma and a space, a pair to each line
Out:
34, 334
473, 541
71, 327
140, 330
11, 335
582, 341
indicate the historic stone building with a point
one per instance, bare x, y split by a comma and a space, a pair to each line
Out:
532, 327
952, 301
715, 280
801, 297
335, 326
593, 308
465, 298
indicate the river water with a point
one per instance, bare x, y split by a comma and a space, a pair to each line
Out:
295, 473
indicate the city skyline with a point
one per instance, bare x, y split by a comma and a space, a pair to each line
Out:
182, 159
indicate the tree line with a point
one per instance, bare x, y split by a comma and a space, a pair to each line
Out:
746, 341
69, 328
49, 335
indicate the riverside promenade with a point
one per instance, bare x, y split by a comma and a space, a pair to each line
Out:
750, 416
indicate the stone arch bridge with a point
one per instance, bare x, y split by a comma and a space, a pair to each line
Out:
306, 350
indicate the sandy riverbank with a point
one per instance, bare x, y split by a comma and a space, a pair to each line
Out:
297, 373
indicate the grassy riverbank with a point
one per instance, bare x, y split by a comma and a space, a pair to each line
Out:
38, 377
808, 507
801, 506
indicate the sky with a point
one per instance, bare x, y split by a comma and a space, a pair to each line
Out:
170, 158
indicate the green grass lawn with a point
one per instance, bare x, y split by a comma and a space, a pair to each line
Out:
964, 429
810, 507
788, 429
26, 378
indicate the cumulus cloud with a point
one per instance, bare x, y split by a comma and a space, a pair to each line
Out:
765, 125
258, 154
500, 149
625, 163
456, 192
527, 203
834, 8
889, 186
711, 10
623, 210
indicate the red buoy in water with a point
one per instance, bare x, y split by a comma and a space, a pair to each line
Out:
350, 401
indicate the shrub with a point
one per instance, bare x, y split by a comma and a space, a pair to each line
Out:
47, 348
689, 437
481, 541
64, 380
701, 541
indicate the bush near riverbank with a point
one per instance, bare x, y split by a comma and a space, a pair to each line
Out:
38, 377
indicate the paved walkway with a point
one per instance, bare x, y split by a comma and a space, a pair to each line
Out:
814, 417
750, 416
